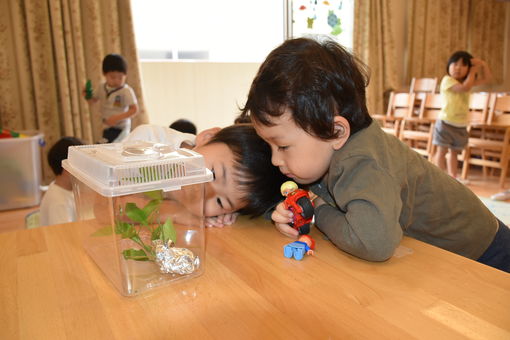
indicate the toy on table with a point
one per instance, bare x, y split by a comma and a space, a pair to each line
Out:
6, 133
304, 245
298, 201
89, 92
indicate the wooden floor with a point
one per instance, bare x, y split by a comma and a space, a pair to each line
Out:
15, 219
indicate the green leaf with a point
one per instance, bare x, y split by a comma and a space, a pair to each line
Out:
155, 194
121, 227
125, 229
108, 230
136, 238
169, 232
156, 233
136, 214
135, 254
150, 207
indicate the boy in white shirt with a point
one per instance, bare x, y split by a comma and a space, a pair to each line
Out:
117, 100
57, 205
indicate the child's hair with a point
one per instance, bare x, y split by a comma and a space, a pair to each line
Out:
241, 119
58, 152
184, 125
465, 56
114, 62
258, 178
315, 81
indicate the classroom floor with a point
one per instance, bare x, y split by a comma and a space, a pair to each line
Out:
480, 185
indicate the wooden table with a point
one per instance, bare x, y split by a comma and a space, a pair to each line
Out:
50, 289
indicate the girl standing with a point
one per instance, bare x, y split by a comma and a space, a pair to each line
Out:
450, 131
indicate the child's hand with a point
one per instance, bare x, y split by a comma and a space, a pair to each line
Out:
281, 218
221, 220
477, 62
110, 121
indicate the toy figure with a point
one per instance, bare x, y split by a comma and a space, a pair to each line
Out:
298, 201
89, 92
304, 245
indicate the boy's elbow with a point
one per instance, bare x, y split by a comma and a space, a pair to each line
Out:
133, 110
377, 253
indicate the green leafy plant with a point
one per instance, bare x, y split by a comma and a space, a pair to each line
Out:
140, 219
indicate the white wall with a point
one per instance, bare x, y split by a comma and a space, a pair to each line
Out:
206, 93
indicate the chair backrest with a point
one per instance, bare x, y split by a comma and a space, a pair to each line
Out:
432, 106
499, 112
32, 220
478, 107
400, 104
423, 85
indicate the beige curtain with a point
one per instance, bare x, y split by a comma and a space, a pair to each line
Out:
487, 35
437, 28
48, 51
374, 45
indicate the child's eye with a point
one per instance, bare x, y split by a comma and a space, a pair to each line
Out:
213, 174
219, 202
282, 148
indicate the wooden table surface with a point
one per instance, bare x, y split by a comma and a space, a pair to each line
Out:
51, 289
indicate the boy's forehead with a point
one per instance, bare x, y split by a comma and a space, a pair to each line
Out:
114, 73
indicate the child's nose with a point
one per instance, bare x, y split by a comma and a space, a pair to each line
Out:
276, 160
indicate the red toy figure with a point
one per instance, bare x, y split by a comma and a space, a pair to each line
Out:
298, 201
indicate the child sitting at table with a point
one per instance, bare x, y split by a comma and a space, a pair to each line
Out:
57, 205
308, 102
244, 181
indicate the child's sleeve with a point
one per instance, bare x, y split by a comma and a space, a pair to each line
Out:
365, 219
130, 97
446, 83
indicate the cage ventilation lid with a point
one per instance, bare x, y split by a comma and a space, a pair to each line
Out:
131, 167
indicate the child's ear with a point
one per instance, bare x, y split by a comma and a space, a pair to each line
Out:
343, 129
205, 136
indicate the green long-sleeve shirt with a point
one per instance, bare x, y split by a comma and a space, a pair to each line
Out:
378, 189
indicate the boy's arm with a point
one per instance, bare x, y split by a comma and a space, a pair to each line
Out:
365, 219
114, 119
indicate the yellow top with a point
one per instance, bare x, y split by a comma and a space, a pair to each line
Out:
455, 104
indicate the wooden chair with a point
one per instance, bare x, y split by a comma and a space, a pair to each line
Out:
399, 106
492, 147
417, 131
478, 108
421, 86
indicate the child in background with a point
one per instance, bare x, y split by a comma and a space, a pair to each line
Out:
184, 125
450, 130
244, 181
117, 100
308, 102
57, 205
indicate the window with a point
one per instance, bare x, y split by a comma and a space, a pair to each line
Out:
221, 30
234, 30
333, 18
